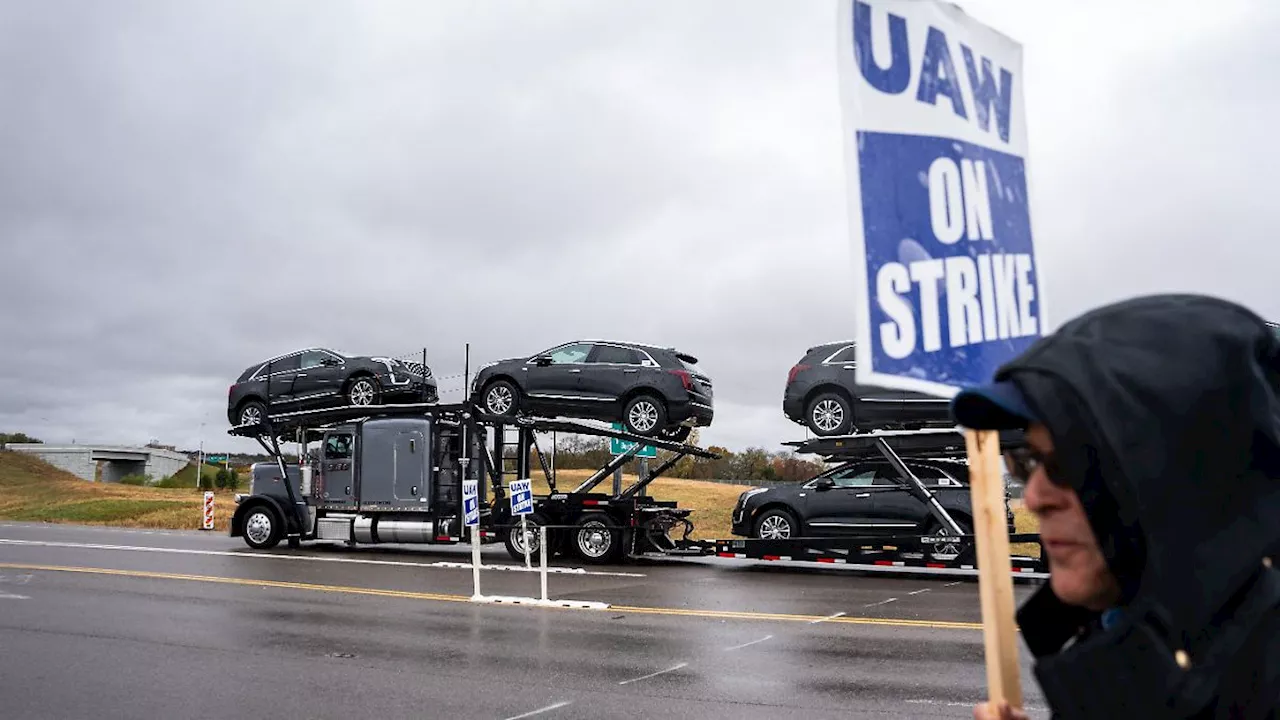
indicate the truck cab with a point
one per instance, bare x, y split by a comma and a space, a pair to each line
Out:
378, 480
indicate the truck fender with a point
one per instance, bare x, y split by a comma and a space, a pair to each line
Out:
249, 503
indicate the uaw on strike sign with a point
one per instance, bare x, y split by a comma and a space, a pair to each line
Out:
936, 152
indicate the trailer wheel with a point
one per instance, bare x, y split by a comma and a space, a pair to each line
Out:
262, 528
597, 538
514, 539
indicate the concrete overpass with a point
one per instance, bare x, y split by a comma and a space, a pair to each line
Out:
117, 460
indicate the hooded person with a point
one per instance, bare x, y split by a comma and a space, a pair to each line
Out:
1152, 460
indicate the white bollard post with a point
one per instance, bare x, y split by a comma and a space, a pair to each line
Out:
524, 535
475, 562
544, 550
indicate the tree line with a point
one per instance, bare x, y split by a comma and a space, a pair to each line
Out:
754, 464
18, 438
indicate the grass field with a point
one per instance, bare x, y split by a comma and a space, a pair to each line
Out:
32, 490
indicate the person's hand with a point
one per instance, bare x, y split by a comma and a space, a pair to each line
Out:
998, 711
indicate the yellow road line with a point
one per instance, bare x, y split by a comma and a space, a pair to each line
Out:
442, 597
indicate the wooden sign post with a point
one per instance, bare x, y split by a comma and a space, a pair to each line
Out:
936, 166
995, 571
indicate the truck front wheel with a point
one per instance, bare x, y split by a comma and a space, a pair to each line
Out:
262, 528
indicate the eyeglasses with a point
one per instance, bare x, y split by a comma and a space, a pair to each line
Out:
1022, 462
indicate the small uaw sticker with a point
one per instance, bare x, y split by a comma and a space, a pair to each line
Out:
470, 503
521, 497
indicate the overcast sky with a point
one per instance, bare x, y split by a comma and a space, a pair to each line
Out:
187, 188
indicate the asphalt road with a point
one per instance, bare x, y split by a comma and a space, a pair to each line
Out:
98, 622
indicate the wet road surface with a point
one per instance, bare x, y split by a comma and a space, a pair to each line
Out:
98, 622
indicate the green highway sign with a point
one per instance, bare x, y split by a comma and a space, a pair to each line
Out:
215, 458
618, 447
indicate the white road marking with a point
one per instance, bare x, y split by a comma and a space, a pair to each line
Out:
917, 592
953, 584
548, 708
273, 556
11, 596
748, 644
882, 602
656, 674
829, 617
1028, 708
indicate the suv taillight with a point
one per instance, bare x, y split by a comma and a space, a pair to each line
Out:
791, 376
684, 378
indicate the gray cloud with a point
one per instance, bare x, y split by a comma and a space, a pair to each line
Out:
190, 188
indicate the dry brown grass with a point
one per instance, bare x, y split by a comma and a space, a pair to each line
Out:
33, 490
1024, 522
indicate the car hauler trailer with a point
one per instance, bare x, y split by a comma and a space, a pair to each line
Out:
606, 527
394, 474
951, 550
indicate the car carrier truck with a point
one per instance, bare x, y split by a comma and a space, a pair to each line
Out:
394, 474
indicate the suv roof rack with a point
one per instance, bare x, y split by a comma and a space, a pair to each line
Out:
941, 443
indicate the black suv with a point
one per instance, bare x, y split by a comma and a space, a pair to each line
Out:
859, 498
319, 378
822, 394
651, 391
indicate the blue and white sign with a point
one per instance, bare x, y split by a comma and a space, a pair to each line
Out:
470, 503
521, 497
936, 153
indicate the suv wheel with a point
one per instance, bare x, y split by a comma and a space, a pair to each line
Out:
644, 415
776, 524
252, 413
947, 551
501, 398
829, 414
362, 391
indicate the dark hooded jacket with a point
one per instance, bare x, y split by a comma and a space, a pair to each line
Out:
1165, 417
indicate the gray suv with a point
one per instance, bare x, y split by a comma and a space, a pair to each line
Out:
822, 394
650, 390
